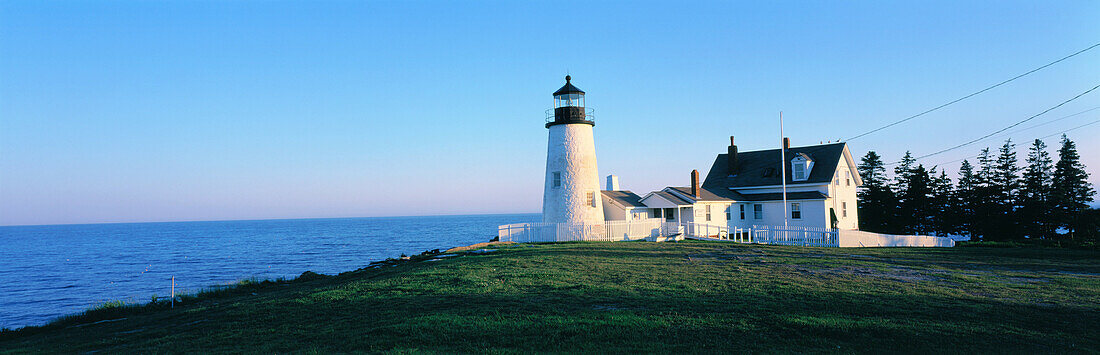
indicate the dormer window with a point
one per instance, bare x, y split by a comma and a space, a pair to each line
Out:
801, 166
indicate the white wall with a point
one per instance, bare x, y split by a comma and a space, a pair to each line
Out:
612, 212
814, 214
717, 213
638, 213
571, 151
843, 190
855, 239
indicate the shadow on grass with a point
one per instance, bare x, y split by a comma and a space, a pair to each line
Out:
118, 309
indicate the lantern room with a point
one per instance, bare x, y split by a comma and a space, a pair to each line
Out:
569, 106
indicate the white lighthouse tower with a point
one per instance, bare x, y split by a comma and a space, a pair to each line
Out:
572, 193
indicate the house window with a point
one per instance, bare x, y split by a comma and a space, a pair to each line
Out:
799, 170
847, 178
836, 179
592, 199
708, 213
670, 214
796, 210
657, 213
758, 211
728, 214
844, 209
557, 179
742, 211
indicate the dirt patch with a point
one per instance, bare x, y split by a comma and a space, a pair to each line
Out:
902, 274
476, 246
716, 257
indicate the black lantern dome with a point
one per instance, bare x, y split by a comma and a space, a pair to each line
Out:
569, 106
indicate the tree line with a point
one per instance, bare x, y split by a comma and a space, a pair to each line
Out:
994, 199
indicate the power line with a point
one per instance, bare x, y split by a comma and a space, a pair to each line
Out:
975, 93
1054, 120
1006, 128
1031, 128
1035, 126
1043, 137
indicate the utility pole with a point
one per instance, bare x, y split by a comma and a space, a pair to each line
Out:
783, 166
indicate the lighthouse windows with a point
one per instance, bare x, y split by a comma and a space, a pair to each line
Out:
557, 179
591, 199
574, 100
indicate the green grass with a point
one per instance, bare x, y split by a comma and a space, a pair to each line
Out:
631, 297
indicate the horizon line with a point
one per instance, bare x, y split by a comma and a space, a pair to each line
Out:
264, 219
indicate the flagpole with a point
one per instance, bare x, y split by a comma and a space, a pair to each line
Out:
783, 166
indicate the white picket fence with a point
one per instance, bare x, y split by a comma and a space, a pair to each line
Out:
777, 235
791, 235
608, 231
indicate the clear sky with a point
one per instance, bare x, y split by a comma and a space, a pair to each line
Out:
120, 111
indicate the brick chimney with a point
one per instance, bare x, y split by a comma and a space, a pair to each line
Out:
695, 183
786, 143
731, 158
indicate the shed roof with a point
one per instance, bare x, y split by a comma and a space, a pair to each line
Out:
624, 198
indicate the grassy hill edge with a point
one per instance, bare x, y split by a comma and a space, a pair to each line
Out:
630, 297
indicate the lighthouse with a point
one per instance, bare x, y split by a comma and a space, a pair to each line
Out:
572, 193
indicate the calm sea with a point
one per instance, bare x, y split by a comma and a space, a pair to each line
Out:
50, 271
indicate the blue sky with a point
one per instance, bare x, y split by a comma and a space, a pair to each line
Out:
124, 111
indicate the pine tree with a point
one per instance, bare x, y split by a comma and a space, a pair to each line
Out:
984, 222
1005, 189
917, 201
1070, 191
964, 200
942, 206
904, 219
876, 198
1035, 209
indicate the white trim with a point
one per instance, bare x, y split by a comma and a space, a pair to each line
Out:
654, 194
852, 165
678, 194
803, 184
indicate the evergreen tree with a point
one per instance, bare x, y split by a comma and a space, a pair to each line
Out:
985, 217
1035, 209
942, 206
1004, 190
876, 199
1070, 191
905, 219
964, 200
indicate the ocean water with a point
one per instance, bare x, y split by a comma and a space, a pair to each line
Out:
51, 271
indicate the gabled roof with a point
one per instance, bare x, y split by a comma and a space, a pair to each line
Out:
670, 197
707, 194
624, 198
760, 168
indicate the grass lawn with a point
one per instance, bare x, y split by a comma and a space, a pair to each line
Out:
633, 297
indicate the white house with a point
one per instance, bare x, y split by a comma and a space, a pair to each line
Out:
744, 189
